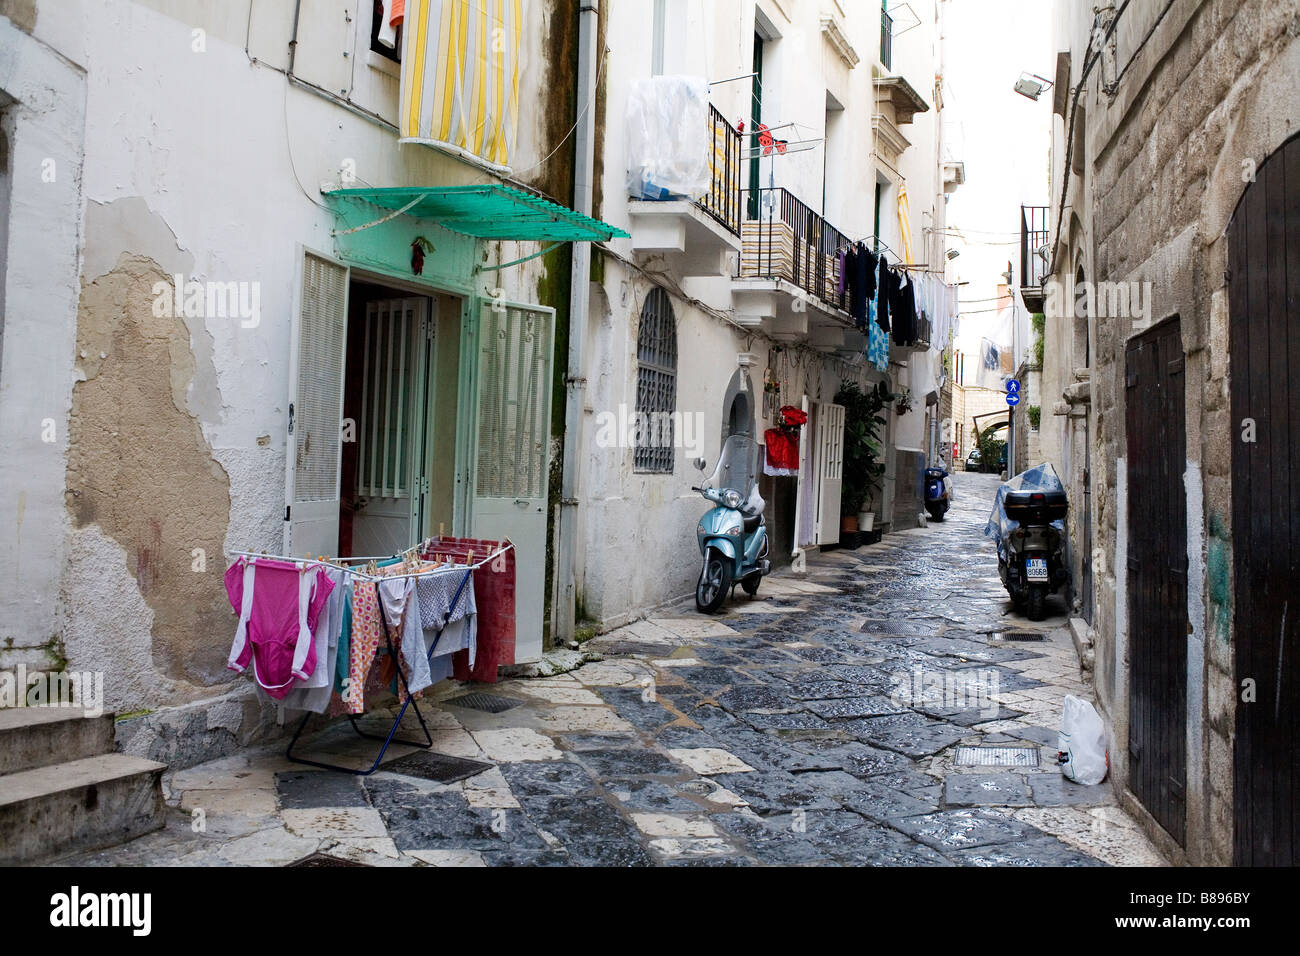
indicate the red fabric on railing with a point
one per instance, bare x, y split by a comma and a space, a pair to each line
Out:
494, 595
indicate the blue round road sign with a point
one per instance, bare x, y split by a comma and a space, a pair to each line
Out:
1013, 399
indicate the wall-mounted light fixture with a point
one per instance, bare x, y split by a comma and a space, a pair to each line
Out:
1032, 85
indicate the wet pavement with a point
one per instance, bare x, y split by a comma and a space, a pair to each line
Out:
824, 722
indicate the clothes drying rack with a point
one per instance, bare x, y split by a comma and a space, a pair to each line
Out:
391, 737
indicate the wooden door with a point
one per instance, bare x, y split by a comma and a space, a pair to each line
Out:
1157, 575
1264, 349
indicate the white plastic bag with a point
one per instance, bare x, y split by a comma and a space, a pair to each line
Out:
668, 138
1083, 755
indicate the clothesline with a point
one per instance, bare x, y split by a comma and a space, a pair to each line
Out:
376, 578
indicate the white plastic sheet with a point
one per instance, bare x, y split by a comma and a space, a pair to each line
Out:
668, 138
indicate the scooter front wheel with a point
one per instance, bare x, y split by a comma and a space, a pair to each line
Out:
714, 584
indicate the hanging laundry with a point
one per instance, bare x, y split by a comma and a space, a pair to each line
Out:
862, 283
903, 311
781, 457
877, 342
435, 595
367, 636
279, 604
886, 290
313, 694
344, 650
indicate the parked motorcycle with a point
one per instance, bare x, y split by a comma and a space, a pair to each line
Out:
938, 492
732, 536
1028, 525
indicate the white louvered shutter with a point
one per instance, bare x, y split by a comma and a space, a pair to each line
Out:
512, 462
316, 368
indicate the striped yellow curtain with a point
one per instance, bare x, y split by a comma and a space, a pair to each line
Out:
460, 77
905, 224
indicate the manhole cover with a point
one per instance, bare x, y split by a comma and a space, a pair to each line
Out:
490, 703
324, 859
1015, 636
997, 757
442, 768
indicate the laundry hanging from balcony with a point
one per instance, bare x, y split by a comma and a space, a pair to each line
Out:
460, 76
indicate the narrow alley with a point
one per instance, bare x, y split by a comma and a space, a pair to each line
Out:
806, 726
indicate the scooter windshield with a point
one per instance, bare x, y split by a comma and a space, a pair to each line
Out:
736, 465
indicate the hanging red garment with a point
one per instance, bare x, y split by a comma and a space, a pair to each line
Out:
782, 456
494, 595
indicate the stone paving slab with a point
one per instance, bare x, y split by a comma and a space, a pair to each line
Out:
781, 731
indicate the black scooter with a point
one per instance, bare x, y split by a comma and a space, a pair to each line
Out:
938, 493
1034, 565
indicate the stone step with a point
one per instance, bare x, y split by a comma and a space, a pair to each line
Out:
84, 804
40, 736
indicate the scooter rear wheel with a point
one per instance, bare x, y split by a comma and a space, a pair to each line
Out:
714, 585
1036, 610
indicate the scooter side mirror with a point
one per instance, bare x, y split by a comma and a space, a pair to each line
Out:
700, 464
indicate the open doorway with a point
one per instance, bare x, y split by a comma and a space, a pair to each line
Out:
399, 407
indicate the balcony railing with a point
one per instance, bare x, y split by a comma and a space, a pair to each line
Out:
789, 241
886, 40
722, 201
1033, 236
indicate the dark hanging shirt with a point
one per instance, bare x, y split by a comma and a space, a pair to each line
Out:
887, 281
903, 310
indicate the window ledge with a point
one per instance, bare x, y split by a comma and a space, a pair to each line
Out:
383, 64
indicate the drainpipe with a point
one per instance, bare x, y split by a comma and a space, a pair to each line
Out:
575, 382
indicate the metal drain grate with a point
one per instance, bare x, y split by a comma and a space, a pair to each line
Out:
1016, 636
442, 768
490, 703
997, 757
324, 859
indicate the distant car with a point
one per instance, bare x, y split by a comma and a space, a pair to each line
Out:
973, 460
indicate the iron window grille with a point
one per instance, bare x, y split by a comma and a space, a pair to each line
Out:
656, 385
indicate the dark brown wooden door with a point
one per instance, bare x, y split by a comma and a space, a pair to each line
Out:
1157, 575
1264, 348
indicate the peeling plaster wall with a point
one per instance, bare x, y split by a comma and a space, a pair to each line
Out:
140, 469
174, 438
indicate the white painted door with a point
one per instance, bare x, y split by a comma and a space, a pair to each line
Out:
391, 473
830, 466
805, 518
317, 351
512, 454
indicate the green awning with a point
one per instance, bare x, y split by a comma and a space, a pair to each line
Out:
488, 212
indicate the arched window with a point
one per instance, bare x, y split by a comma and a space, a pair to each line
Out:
656, 384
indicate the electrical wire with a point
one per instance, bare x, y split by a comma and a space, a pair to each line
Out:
1066, 175
1138, 49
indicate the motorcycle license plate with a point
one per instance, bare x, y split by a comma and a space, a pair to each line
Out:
1036, 569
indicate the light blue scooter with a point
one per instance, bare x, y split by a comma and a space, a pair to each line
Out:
733, 536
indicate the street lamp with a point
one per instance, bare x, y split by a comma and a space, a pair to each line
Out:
1032, 85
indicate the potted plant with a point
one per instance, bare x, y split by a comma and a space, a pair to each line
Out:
904, 401
864, 451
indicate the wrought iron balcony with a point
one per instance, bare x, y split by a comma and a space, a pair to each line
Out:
789, 241
1033, 266
1033, 236
722, 201
886, 40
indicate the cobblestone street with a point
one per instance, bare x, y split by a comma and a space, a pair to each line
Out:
816, 724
